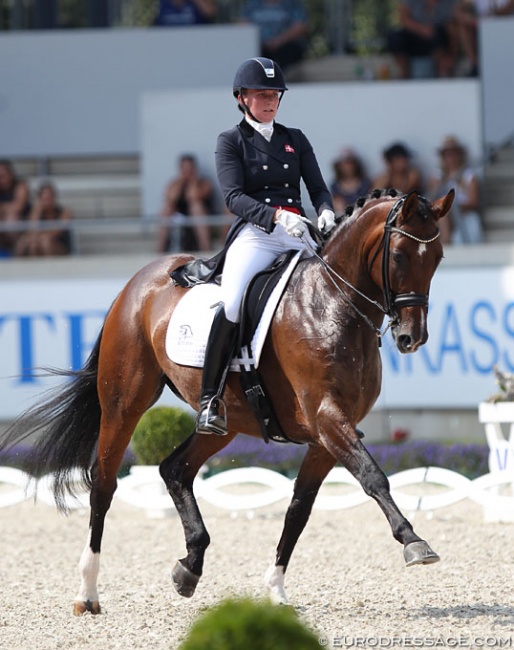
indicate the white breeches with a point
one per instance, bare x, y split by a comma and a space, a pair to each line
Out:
252, 251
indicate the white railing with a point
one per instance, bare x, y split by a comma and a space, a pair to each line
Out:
144, 488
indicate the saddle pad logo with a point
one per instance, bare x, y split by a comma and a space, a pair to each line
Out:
185, 333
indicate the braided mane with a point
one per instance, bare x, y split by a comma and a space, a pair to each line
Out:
424, 204
374, 194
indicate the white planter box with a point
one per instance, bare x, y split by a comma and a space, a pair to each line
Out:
501, 453
496, 412
493, 415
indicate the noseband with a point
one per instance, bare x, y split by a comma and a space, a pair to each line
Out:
392, 301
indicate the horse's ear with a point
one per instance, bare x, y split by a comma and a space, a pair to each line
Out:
409, 208
442, 206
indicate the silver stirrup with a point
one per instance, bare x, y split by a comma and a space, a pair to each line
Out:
207, 411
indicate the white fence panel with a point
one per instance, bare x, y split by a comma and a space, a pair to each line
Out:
144, 488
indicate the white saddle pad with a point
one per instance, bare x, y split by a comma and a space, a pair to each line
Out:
190, 323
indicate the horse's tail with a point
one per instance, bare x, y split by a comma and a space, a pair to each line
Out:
67, 421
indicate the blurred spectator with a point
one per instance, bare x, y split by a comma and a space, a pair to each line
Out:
503, 7
14, 204
399, 173
188, 195
464, 225
427, 30
283, 28
350, 182
467, 15
176, 13
225, 227
45, 242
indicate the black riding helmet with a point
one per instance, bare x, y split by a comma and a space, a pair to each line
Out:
258, 73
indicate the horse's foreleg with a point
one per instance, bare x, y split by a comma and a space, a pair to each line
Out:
178, 471
315, 467
354, 456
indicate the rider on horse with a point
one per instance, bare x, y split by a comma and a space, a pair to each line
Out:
260, 165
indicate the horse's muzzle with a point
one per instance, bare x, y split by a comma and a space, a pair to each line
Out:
410, 331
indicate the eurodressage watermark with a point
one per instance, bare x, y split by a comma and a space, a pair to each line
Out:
416, 642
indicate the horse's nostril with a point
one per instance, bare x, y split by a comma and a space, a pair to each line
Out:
405, 341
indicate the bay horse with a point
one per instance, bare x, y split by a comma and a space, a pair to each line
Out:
320, 363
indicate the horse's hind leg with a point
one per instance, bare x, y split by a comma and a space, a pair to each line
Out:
355, 457
314, 469
179, 470
115, 433
123, 401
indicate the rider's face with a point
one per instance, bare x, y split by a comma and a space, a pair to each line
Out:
263, 104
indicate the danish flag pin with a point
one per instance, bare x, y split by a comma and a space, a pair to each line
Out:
289, 148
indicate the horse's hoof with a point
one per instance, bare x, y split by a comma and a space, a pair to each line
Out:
419, 553
81, 607
184, 580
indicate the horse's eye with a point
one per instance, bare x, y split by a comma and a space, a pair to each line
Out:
398, 257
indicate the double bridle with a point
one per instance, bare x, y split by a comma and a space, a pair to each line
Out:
392, 301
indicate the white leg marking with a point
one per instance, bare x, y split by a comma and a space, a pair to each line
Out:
89, 567
274, 579
422, 249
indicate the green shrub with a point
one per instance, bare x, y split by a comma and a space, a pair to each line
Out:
237, 624
159, 432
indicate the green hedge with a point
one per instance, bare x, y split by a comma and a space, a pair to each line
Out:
159, 432
243, 624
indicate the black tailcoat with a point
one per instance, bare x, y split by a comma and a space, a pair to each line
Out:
256, 177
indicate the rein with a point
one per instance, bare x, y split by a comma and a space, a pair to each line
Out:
392, 302
333, 274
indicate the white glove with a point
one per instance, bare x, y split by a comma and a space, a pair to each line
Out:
326, 221
292, 223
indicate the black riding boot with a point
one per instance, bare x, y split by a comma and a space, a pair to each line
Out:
220, 348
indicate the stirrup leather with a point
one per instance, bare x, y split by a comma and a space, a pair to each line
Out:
209, 420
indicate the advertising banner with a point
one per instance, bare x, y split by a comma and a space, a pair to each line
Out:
54, 323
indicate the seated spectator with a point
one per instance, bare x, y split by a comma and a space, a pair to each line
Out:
188, 195
350, 182
224, 228
399, 173
468, 14
283, 28
176, 13
56, 241
426, 30
14, 204
464, 225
